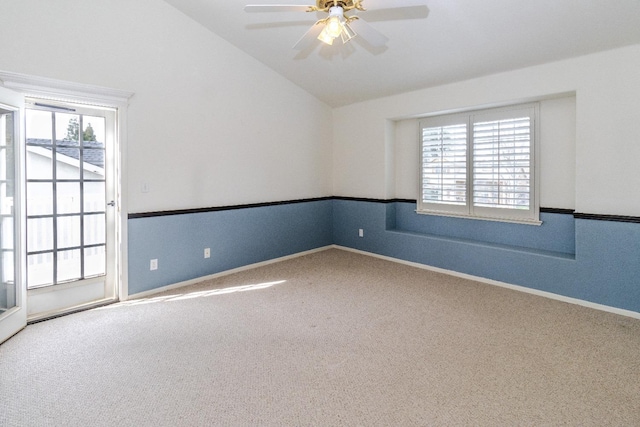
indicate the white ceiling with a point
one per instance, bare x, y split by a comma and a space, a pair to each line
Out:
443, 42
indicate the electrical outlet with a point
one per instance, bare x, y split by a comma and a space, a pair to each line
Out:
361, 232
207, 252
153, 265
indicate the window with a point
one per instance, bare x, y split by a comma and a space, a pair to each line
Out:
480, 164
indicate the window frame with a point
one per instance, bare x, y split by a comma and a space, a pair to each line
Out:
469, 209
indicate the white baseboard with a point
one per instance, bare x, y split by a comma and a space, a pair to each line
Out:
151, 292
550, 295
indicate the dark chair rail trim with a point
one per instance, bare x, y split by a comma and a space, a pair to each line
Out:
578, 215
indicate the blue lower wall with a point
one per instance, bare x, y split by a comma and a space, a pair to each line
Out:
237, 237
592, 260
596, 261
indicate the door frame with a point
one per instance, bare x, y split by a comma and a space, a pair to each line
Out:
64, 91
15, 319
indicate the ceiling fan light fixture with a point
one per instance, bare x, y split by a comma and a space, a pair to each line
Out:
325, 37
347, 32
334, 26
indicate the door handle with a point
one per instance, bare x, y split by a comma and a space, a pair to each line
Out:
111, 203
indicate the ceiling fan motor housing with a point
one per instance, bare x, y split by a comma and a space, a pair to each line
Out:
327, 4
336, 11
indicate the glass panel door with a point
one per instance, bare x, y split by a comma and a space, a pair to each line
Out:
70, 217
13, 313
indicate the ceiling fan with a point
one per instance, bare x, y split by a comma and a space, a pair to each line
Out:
337, 24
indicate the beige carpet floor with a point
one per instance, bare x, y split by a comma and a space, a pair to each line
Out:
332, 338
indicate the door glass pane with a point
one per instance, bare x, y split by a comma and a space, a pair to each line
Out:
94, 229
38, 126
39, 198
39, 133
94, 261
68, 197
6, 233
67, 161
67, 129
93, 163
94, 197
68, 231
69, 265
39, 234
4, 171
8, 277
94, 131
40, 269
40, 161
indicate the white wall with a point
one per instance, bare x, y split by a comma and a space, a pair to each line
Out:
207, 126
210, 126
595, 173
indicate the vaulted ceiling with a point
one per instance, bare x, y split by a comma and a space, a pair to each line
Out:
442, 42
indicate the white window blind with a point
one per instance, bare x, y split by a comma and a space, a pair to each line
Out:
444, 164
501, 163
480, 164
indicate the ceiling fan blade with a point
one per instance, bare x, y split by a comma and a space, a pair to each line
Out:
277, 8
309, 37
385, 4
372, 36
